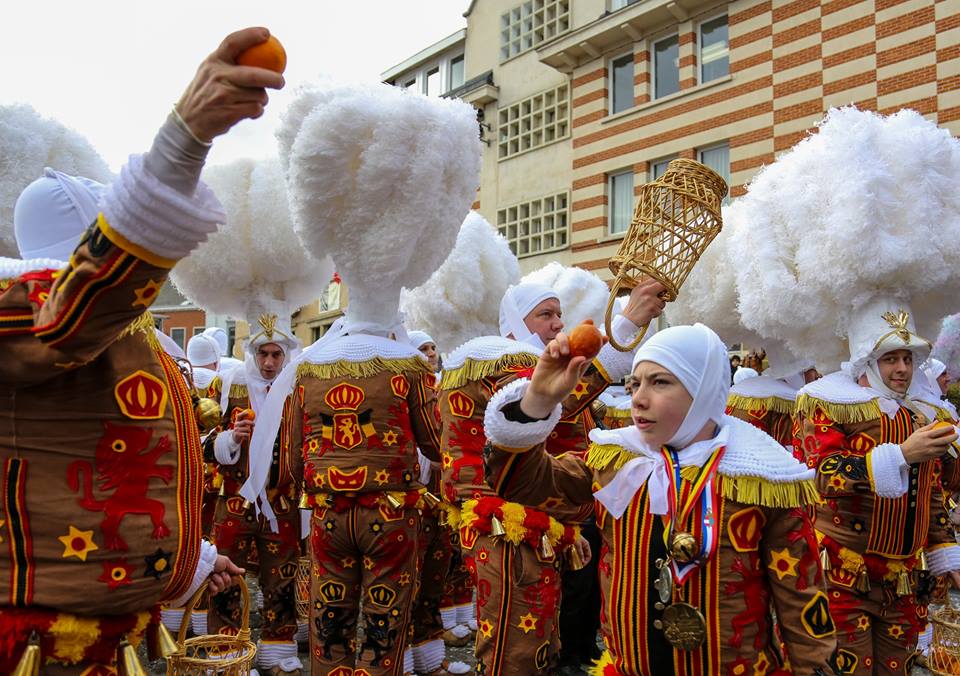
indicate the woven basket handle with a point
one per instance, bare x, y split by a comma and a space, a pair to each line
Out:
244, 632
618, 284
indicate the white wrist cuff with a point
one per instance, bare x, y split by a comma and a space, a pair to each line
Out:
889, 471
205, 566
943, 559
515, 435
225, 449
157, 217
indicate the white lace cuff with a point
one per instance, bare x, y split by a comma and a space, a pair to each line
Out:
157, 219
511, 435
225, 449
618, 364
278, 654
889, 471
205, 565
941, 560
428, 657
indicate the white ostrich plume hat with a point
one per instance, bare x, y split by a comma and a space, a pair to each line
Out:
459, 302
380, 179
582, 294
32, 146
254, 268
846, 227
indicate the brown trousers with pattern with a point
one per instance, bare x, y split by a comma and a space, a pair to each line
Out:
237, 531
368, 556
435, 554
877, 631
518, 606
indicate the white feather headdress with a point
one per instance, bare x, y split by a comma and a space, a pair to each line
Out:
380, 179
460, 301
28, 143
857, 212
255, 263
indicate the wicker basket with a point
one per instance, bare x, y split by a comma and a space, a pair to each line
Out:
303, 589
676, 218
944, 656
214, 653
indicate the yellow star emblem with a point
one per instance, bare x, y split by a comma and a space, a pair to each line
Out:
762, 665
527, 622
895, 630
581, 390
390, 438
77, 543
348, 562
863, 623
446, 460
382, 477
404, 579
486, 628
783, 564
368, 563
837, 482
146, 294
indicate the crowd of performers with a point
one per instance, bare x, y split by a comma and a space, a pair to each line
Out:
787, 525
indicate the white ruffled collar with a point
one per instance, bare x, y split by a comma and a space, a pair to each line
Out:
11, 268
360, 347
763, 387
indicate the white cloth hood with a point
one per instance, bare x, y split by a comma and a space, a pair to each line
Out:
53, 212
517, 303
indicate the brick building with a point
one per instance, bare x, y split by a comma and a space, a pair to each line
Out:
582, 102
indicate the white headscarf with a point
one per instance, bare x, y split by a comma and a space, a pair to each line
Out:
218, 335
934, 368
202, 350
743, 373
419, 338
517, 303
52, 214
698, 358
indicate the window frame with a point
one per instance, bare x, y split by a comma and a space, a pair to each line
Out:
660, 160
542, 213
183, 336
699, 33
612, 83
611, 176
714, 146
653, 64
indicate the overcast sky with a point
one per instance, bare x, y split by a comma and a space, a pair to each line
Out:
111, 69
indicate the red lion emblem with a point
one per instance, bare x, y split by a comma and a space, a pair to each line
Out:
123, 467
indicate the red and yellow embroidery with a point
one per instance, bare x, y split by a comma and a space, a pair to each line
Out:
141, 396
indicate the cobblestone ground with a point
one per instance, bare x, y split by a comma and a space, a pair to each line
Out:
464, 654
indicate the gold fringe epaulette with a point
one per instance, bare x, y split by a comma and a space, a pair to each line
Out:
601, 456
618, 413
751, 490
145, 325
839, 413
239, 391
216, 385
772, 404
362, 369
473, 370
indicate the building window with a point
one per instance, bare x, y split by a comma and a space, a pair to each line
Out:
666, 66
534, 122
659, 167
533, 228
714, 49
620, 4
432, 82
620, 189
197, 330
527, 25
718, 159
456, 72
178, 335
621, 83
409, 84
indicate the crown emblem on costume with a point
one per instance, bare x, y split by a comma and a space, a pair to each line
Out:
269, 324
141, 396
898, 322
344, 397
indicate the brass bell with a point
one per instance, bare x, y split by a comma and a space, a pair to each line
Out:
545, 547
304, 501
496, 527
951, 503
393, 501
223, 490
128, 664
863, 581
430, 500
922, 564
598, 409
208, 414
246, 504
443, 519
683, 547
903, 583
160, 644
29, 664
825, 561
574, 562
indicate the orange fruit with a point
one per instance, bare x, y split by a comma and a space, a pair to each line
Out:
270, 55
585, 340
249, 414
942, 423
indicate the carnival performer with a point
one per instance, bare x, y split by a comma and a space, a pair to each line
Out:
361, 402
704, 518
513, 550
103, 466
